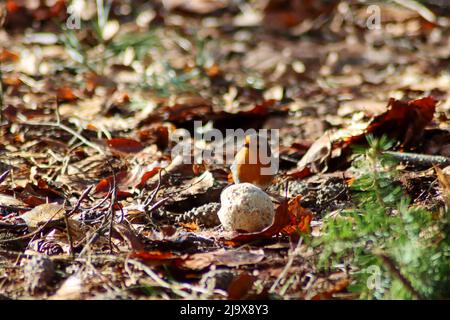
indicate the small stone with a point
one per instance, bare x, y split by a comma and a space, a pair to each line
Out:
245, 207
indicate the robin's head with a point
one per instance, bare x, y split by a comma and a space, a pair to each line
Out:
256, 142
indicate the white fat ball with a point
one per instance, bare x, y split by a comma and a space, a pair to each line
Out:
245, 207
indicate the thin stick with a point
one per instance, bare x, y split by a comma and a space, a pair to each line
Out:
3, 13
66, 219
175, 287
69, 235
287, 267
3, 176
417, 158
111, 207
67, 129
1, 93
393, 268
83, 195
152, 195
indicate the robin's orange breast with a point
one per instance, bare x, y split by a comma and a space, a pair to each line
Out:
244, 171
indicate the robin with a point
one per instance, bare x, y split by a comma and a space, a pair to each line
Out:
253, 164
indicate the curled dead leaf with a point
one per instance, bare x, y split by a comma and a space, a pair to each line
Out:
290, 218
402, 121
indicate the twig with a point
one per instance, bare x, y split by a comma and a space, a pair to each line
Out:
4, 175
287, 267
396, 272
66, 219
69, 235
373, 159
111, 205
1, 87
152, 195
112, 213
417, 158
83, 195
105, 224
67, 129
175, 287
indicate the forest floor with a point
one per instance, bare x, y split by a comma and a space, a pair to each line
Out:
93, 205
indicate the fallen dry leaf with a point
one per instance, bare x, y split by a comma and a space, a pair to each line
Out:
10, 201
154, 256
229, 258
128, 236
300, 218
339, 286
240, 286
403, 121
290, 218
65, 94
124, 145
43, 213
135, 178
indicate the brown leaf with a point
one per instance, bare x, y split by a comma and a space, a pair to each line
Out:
147, 175
6, 56
315, 159
186, 112
198, 261
300, 218
125, 145
229, 258
240, 286
43, 213
41, 193
106, 184
289, 13
125, 180
340, 286
290, 217
150, 256
6, 200
129, 236
65, 94
403, 121
156, 133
